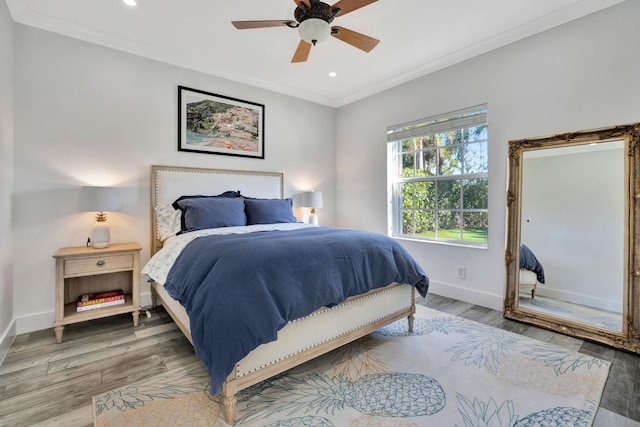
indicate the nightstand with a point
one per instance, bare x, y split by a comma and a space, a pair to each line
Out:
85, 270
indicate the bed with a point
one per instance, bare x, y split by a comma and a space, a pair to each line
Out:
531, 270
326, 327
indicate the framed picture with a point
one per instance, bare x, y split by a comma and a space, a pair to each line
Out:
216, 124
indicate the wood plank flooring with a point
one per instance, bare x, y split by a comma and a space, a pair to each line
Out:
47, 384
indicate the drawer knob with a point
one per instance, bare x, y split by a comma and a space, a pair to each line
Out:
100, 263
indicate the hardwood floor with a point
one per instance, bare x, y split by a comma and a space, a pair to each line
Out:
47, 384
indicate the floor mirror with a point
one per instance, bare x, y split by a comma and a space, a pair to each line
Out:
572, 255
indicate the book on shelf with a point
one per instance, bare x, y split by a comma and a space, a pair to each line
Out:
100, 301
101, 305
100, 298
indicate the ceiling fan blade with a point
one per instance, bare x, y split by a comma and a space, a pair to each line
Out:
246, 25
355, 39
302, 52
347, 6
306, 2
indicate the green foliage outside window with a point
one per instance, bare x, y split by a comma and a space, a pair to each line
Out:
442, 185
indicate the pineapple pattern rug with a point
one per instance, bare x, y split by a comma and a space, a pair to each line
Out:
449, 372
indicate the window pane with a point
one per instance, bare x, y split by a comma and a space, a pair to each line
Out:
448, 225
475, 158
407, 145
406, 194
407, 165
449, 161
425, 223
407, 222
448, 194
425, 193
478, 133
426, 163
476, 193
476, 227
445, 138
423, 142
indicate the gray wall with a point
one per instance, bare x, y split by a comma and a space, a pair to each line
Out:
581, 75
7, 326
86, 114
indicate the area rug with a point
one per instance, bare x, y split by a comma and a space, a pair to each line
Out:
449, 372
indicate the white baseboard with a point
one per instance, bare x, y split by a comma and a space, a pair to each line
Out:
40, 321
6, 340
35, 322
587, 300
472, 296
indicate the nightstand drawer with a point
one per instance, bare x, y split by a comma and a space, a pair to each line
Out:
97, 264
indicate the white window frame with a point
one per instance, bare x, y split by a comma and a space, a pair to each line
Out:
397, 134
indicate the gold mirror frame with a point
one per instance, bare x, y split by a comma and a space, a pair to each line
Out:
629, 337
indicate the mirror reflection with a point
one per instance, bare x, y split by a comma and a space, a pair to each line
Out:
572, 235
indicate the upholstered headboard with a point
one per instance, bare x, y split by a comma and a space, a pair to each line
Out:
170, 182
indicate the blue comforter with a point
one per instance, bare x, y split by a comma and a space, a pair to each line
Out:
240, 289
529, 261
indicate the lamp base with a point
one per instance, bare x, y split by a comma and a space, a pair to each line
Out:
313, 219
100, 236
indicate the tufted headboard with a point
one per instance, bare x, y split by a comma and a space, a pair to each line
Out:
170, 182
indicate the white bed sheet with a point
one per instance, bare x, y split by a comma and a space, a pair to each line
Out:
160, 264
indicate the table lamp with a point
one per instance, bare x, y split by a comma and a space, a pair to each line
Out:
312, 199
100, 200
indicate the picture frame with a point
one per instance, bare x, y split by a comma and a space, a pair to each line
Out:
216, 124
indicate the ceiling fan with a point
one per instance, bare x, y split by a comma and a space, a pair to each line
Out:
313, 19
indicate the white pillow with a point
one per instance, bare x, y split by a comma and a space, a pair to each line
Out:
167, 221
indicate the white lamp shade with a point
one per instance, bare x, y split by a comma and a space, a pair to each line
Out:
314, 30
312, 199
99, 199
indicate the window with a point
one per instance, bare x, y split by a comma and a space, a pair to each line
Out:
438, 172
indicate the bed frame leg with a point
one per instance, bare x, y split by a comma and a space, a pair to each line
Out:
154, 298
229, 390
411, 316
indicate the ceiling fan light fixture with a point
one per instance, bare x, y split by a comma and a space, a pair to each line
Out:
314, 30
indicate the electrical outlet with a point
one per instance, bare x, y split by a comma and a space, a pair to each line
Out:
462, 272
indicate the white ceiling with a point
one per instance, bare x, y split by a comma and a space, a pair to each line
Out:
417, 37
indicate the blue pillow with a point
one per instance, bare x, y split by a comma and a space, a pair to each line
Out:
269, 211
230, 194
211, 212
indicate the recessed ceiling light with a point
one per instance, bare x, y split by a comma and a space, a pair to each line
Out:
333, 74
129, 2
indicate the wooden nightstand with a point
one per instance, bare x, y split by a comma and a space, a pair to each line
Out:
85, 270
